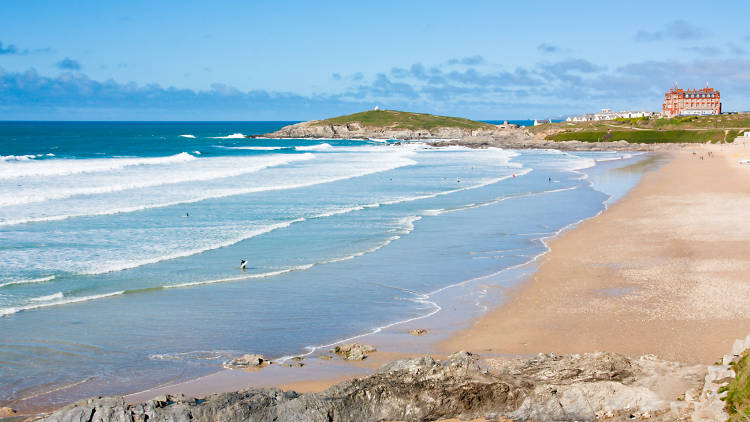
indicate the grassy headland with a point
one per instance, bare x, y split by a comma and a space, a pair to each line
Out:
689, 129
404, 120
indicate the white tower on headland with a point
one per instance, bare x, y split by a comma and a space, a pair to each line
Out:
376, 108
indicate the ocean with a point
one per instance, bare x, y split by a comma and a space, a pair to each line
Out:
120, 243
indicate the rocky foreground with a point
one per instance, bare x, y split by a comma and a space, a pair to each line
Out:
595, 386
499, 136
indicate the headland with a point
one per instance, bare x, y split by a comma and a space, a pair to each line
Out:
637, 134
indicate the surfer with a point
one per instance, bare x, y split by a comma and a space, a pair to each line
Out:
243, 264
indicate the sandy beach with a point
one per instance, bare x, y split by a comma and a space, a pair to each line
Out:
663, 271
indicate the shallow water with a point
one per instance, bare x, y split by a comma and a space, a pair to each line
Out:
120, 243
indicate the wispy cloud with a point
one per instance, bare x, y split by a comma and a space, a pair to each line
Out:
12, 49
706, 50
68, 64
678, 30
548, 48
564, 86
9, 49
74, 96
468, 61
735, 49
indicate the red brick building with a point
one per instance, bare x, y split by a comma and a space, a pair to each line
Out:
691, 102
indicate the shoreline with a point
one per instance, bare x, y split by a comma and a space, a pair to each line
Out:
320, 374
628, 286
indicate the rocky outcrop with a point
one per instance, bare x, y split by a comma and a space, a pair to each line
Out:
514, 138
247, 361
353, 351
418, 332
354, 130
545, 388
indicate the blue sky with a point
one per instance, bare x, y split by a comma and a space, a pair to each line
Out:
297, 60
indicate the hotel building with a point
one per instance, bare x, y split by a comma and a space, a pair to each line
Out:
691, 102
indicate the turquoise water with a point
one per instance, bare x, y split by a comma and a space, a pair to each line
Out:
120, 243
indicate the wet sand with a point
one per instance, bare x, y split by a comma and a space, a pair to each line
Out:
664, 271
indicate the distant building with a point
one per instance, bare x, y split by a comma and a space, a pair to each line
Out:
691, 102
542, 122
507, 125
608, 114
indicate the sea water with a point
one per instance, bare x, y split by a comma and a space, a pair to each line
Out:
120, 243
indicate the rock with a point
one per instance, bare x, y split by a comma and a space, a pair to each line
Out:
738, 347
418, 332
6, 412
247, 361
727, 359
353, 351
563, 388
294, 364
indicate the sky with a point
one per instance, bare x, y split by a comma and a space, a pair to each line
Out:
300, 60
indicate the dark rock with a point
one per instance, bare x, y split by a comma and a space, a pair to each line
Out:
545, 388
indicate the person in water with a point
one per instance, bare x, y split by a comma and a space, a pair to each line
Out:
243, 264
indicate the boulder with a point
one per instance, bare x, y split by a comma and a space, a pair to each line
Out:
6, 412
353, 351
418, 332
247, 361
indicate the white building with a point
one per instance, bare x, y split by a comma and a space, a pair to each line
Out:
607, 114
542, 122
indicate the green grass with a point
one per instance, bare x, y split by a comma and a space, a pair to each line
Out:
404, 120
644, 136
738, 391
724, 121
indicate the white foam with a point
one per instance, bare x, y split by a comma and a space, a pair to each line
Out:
16, 309
319, 147
232, 136
256, 148
58, 295
64, 167
17, 157
395, 162
448, 192
45, 193
188, 136
27, 281
112, 266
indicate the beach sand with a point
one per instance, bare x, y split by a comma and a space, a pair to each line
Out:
664, 271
